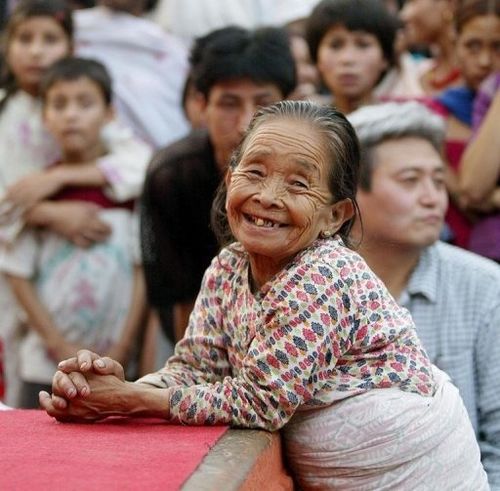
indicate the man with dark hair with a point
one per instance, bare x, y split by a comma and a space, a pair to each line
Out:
235, 71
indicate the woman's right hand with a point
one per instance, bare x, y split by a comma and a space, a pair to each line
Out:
70, 380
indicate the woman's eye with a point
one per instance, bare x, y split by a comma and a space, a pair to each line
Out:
299, 184
256, 172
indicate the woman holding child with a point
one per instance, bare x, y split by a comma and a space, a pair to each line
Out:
292, 330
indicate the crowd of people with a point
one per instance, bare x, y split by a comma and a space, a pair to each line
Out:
302, 196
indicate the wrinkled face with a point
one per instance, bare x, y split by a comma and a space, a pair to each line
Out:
278, 201
75, 112
35, 44
423, 20
350, 62
478, 49
229, 109
407, 201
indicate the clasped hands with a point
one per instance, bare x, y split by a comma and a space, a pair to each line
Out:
86, 388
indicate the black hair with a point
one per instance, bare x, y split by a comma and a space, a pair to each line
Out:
72, 68
58, 10
342, 148
468, 9
262, 55
371, 16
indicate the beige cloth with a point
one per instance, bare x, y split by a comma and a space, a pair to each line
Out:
387, 439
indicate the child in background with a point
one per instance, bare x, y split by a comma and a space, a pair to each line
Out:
72, 297
38, 33
352, 44
478, 55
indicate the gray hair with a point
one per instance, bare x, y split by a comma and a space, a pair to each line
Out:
392, 120
340, 144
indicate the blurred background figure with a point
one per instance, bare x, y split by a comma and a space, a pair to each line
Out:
39, 33
429, 26
308, 80
149, 66
477, 53
479, 171
452, 294
234, 71
352, 43
191, 19
70, 297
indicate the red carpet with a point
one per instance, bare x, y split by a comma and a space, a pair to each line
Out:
36, 452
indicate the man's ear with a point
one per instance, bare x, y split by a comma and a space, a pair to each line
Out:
341, 212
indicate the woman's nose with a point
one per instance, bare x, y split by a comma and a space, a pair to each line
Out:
271, 194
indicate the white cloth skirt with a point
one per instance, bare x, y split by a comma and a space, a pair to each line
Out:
387, 439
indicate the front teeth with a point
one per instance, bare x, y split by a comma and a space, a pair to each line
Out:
260, 222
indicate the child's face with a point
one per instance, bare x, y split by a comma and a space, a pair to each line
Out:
350, 62
478, 49
35, 44
75, 112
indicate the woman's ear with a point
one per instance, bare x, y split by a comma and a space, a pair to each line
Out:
341, 211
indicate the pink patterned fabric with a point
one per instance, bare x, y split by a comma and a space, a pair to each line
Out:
322, 330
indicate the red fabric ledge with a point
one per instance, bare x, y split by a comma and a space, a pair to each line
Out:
36, 452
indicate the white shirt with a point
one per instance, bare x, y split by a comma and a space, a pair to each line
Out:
148, 67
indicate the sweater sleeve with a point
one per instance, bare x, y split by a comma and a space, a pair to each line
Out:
294, 351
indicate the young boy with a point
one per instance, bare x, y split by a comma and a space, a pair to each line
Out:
72, 297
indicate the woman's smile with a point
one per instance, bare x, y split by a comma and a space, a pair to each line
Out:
262, 222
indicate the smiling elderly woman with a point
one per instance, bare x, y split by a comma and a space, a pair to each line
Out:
292, 330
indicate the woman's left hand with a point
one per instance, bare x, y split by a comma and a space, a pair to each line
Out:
106, 396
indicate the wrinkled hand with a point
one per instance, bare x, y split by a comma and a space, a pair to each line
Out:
33, 188
84, 388
106, 392
79, 222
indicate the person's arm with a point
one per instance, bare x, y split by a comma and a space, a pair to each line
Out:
110, 396
77, 221
487, 357
120, 172
120, 351
38, 186
480, 165
275, 373
147, 362
124, 167
39, 318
